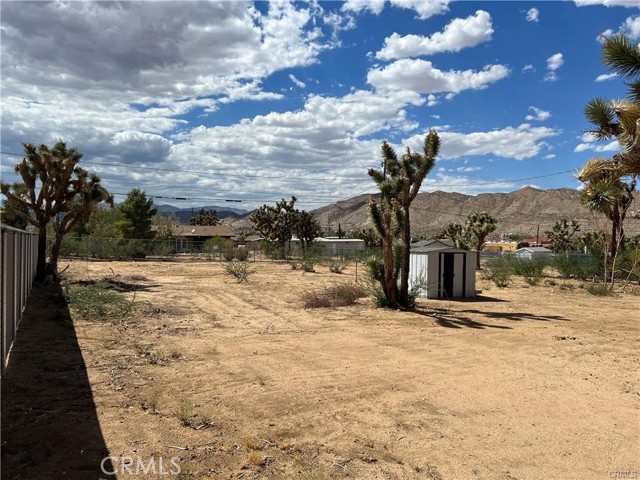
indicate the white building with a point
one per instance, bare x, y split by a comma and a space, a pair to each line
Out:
445, 271
533, 253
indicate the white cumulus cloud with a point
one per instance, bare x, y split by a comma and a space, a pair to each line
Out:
538, 114
554, 62
421, 76
458, 34
606, 76
533, 15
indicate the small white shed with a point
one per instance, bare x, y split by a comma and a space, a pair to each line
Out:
448, 272
533, 253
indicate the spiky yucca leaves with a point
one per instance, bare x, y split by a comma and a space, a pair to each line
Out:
606, 192
55, 190
461, 237
399, 182
620, 118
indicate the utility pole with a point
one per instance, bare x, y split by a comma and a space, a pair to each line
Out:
538, 236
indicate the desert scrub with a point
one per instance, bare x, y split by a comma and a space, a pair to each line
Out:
308, 265
499, 271
97, 300
599, 289
152, 402
337, 266
531, 270
338, 295
238, 270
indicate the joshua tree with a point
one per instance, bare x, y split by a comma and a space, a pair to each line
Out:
399, 182
460, 236
276, 223
9, 215
561, 235
55, 190
480, 224
205, 217
620, 118
307, 229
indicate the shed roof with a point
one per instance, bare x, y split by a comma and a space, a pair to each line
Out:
430, 245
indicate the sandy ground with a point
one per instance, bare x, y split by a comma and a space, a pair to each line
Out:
523, 383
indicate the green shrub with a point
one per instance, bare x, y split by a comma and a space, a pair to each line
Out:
238, 270
242, 254
308, 265
499, 271
228, 254
599, 289
583, 267
531, 270
337, 266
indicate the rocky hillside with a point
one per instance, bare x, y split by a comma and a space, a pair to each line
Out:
518, 212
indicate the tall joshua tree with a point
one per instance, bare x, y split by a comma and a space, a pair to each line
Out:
399, 182
56, 190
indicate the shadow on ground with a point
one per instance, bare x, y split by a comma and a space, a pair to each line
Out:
50, 425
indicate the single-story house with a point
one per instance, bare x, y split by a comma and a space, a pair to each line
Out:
533, 253
337, 246
442, 271
191, 237
500, 246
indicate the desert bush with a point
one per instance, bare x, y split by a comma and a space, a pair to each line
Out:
337, 266
238, 270
338, 295
308, 265
242, 254
228, 254
599, 289
293, 265
578, 266
499, 271
531, 270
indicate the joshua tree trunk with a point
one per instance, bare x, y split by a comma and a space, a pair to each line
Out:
404, 272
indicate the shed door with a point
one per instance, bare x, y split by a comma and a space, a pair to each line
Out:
447, 271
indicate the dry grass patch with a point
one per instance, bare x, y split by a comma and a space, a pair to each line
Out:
338, 295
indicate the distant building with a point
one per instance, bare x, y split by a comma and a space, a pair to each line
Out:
191, 237
533, 253
500, 246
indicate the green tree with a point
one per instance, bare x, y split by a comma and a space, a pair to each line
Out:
276, 223
205, 217
307, 229
480, 224
9, 215
55, 190
164, 226
138, 213
562, 235
103, 223
399, 182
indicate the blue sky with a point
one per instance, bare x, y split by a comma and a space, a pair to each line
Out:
255, 102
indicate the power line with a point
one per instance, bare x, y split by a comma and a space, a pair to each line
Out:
239, 175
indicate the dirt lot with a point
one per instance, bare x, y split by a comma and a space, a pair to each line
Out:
240, 381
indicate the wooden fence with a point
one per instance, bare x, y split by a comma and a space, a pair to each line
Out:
18, 258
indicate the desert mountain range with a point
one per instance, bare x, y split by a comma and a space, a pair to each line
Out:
518, 212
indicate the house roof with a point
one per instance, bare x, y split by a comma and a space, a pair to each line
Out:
428, 245
204, 231
534, 250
